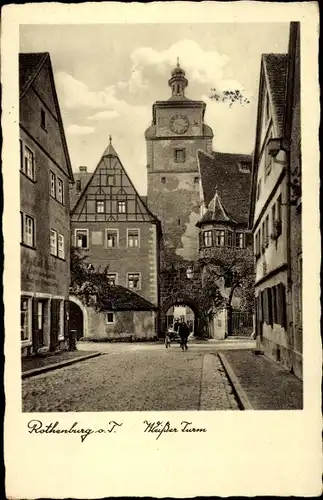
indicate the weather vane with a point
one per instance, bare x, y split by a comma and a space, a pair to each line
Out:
178, 62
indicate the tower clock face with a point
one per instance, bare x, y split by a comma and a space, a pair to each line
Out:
179, 124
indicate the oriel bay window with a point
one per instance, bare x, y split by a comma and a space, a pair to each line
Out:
112, 237
134, 281
207, 238
219, 238
230, 238
81, 238
133, 238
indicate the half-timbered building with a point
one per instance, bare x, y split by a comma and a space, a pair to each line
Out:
112, 226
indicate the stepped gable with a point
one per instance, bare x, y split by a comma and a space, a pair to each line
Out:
275, 69
230, 174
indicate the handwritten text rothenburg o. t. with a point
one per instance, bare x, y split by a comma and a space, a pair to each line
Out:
159, 428
38, 427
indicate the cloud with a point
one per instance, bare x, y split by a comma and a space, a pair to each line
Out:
79, 129
104, 115
202, 66
76, 94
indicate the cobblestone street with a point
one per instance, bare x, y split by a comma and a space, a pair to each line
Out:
134, 377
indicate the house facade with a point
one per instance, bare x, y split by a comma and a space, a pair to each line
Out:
112, 226
275, 217
223, 226
45, 176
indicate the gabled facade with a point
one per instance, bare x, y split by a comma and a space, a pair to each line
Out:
45, 175
111, 224
270, 213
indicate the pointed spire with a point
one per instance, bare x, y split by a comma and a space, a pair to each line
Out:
219, 212
110, 151
178, 62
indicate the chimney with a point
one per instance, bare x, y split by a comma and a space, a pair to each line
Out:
83, 169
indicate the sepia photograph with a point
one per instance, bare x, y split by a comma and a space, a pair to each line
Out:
162, 242
161, 209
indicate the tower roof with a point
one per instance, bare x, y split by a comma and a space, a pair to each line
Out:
110, 151
217, 212
178, 82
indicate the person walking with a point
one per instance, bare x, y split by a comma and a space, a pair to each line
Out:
184, 332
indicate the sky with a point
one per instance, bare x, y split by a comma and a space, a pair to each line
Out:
108, 77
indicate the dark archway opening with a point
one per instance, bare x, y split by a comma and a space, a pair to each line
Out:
180, 309
76, 320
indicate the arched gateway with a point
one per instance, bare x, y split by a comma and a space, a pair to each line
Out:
78, 317
176, 289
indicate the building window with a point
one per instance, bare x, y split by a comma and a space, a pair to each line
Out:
134, 281
178, 222
78, 185
196, 180
25, 318
110, 180
81, 238
43, 119
61, 247
53, 242
258, 190
230, 239
133, 238
257, 244
219, 238
267, 233
28, 167
273, 217
109, 318
239, 240
60, 190
28, 230
100, 207
179, 155
276, 219
279, 207
163, 180
52, 177
112, 278
207, 238
122, 207
263, 237
274, 304
112, 237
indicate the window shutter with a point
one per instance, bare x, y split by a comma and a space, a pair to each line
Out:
66, 318
54, 325
283, 305
261, 307
270, 306
34, 323
266, 315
